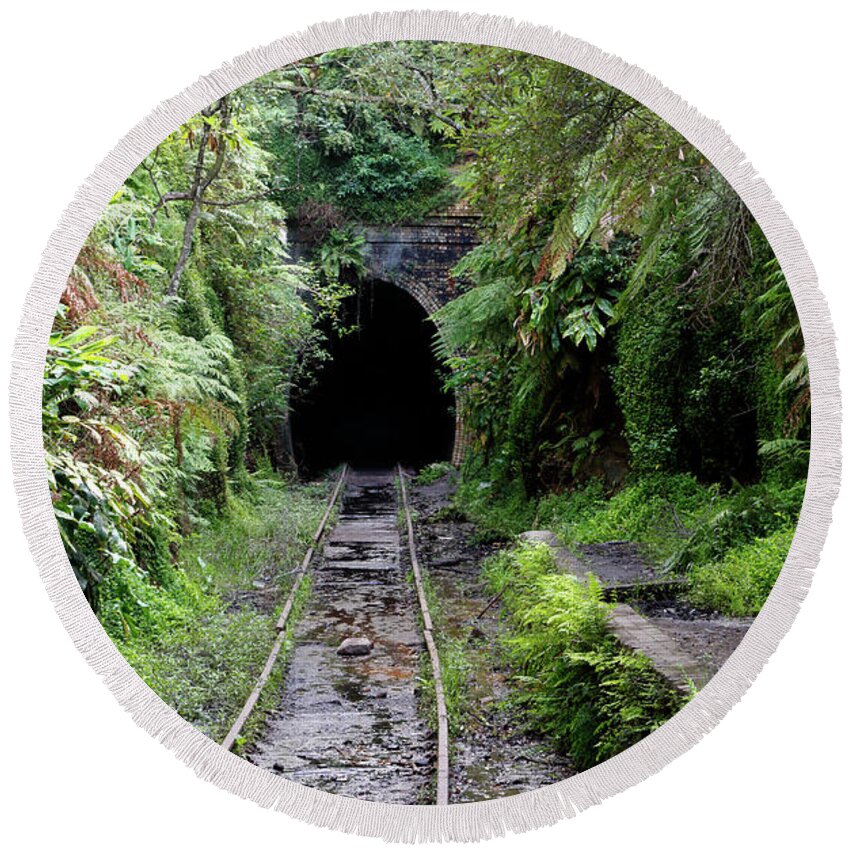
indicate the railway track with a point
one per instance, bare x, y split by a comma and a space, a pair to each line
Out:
350, 718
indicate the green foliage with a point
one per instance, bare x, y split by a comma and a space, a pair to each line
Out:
494, 500
577, 685
363, 131
190, 635
434, 472
733, 520
342, 251
730, 546
646, 377
600, 221
103, 510
156, 404
740, 582
656, 510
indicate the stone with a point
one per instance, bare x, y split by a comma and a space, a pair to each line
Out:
422, 761
355, 646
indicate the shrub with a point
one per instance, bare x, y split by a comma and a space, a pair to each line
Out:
738, 518
679, 522
580, 687
434, 472
499, 506
657, 510
740, 583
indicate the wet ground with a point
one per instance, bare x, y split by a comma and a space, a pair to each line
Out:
350, 724
491, 755
707, 636
356, 725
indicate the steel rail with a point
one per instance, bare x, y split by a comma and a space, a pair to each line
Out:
280, 626
428, 630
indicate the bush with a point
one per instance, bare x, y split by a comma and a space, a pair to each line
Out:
679, 522
738, 518
434, 472
500, 509
657, 511
579, 686
740, 583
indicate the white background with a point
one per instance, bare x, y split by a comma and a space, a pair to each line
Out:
76, 77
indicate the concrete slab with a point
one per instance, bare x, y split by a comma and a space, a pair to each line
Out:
634, 631
640, 635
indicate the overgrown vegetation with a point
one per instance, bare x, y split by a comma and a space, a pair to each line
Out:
624, 350
740, 581
434, 472
627, 351
578, 686
454, 667
194, 636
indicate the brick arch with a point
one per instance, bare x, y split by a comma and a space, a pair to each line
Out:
418, 258
419, 290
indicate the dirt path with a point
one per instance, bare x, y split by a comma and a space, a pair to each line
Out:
350, 724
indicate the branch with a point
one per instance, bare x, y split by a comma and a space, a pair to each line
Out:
200, 184
349, 97
260, 196
161, 202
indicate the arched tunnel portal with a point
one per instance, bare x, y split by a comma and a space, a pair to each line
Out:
379, 397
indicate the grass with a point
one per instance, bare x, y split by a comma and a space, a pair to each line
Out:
267, 532
455, 666
656, 511
729, 545
500, 510
192, 637
434, 472
739, 583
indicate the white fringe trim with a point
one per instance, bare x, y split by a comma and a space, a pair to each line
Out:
470, 821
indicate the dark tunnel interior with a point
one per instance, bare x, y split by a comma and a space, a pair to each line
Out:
378, 399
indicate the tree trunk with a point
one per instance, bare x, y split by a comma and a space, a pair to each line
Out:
200, 184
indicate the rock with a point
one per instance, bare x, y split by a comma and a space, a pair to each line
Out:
355, 646
259, 585
422, 761
277, 767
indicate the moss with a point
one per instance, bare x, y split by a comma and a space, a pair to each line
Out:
645, 375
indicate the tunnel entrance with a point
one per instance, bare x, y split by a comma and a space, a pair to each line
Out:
379, 398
